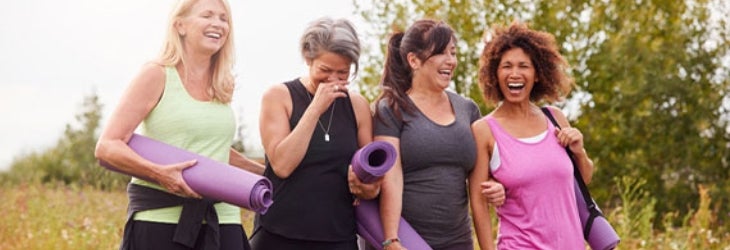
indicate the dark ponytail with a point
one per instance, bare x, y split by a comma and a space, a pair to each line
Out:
396, 78
425, 38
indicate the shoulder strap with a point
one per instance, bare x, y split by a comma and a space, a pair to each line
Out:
592, 208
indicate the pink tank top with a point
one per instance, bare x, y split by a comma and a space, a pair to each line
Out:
540, 210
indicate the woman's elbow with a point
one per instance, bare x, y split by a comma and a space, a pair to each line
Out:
101, 150
281, 171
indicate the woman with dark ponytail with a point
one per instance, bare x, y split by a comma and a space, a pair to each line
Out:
431, 128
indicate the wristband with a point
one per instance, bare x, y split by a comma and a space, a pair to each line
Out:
387, 242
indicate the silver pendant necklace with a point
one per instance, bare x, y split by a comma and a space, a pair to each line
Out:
329, 123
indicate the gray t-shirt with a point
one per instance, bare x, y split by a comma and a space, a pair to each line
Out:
436, 162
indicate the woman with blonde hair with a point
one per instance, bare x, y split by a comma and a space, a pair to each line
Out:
182, 99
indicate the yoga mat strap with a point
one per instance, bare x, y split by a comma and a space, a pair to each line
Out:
589, 224
606, 237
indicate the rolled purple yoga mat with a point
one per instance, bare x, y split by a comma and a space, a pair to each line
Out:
602, 235
370, 228
373, 160
370, 163
211, 179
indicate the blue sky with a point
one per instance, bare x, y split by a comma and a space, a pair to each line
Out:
54, 53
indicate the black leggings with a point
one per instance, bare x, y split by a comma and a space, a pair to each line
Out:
158, 236
265, 240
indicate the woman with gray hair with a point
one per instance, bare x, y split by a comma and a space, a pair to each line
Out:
310, 128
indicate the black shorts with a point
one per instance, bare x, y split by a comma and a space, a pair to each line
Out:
265, 240
158, 236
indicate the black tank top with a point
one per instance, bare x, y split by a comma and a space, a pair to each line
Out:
314, 202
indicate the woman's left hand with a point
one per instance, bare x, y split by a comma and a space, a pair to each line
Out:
570, 137
362, 190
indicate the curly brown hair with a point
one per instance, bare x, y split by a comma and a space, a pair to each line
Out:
552, 83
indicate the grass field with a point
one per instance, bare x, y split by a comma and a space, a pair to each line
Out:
61, 217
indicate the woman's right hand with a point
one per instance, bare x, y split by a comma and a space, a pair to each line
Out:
172, 179
327, 92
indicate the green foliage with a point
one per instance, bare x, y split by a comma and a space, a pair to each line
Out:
658, 112
650, 82
636, 214
634, 221
71, 160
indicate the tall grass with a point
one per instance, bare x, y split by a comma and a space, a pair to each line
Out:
48, 216
60, 217
633, 222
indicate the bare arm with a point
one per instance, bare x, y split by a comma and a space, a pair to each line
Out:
243, 162
284, 147
573, 139
391, 196
479, 175
135, 104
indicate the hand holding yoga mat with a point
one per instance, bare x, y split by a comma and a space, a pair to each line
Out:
209, 178
373, 160
370, 163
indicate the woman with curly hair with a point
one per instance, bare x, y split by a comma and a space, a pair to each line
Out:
519, 147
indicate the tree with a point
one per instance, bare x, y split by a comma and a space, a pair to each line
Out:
650, 81
71, 160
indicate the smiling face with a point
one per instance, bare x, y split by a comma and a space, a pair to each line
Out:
437, 69
206, 27
329, 66
516, 75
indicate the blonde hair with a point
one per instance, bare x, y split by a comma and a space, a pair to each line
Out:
222, 83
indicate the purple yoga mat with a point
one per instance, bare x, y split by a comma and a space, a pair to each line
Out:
602, 235
211, 179
370, 228
370, 163
373, 160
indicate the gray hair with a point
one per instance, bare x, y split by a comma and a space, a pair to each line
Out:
330, 35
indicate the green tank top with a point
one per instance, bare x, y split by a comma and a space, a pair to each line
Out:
205, 128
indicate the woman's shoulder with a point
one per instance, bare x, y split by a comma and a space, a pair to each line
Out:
153, 70
357, 99
458, 98
277, 91
462, 101
558, 115
150, 78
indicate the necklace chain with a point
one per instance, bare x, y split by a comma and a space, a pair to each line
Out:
329, 123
